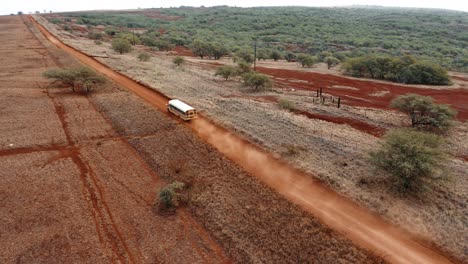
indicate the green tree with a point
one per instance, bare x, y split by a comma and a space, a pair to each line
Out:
226, 71
178, 60
424, 113
257, 81
290, 57
217, 50
331, 61
200, 48
412, 158
80, 77
306, 60
275, 55
245, 55
121, 45
243, 68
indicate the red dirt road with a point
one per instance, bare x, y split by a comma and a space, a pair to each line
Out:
361, 95
356, 223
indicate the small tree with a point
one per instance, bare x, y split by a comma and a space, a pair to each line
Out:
331, 61
257, 81
245, 55
275, 55
75, 77
178, 60
144, 56
121, 45
306, 60
20, 13
412, 158
243, 68
226, 71
169, 195
424, 113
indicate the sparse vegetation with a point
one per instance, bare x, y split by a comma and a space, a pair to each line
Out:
257, 80
424, 113
178, 60
144, 56
121, 45
75, 78
411, 158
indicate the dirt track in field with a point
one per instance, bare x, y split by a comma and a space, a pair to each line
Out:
365, 93
339, 213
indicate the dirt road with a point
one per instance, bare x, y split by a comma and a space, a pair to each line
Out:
337, 212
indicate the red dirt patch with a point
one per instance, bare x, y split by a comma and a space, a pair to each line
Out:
361, 96
182, 51
357, 124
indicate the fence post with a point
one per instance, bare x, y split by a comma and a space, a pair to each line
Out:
320, 91
317, 93
339, 102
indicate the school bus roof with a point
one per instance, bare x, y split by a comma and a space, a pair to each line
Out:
180, 105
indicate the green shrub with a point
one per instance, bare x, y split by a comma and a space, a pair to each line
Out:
257, 80
424, 113
178, 60
144, 56
169, 195
243, 68
286, 104
80, 77
226, 71
98, 42
331, 61
95, 35
411, 158
121, 45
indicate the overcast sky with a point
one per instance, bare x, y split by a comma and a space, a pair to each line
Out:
13, 6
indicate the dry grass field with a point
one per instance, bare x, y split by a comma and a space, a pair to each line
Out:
335, 153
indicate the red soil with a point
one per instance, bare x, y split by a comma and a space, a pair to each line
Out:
357, 124
361, 96
182, 51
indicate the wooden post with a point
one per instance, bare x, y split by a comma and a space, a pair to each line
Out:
339, 102
320, 91
317, 93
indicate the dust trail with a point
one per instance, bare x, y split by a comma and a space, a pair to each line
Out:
341, 214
